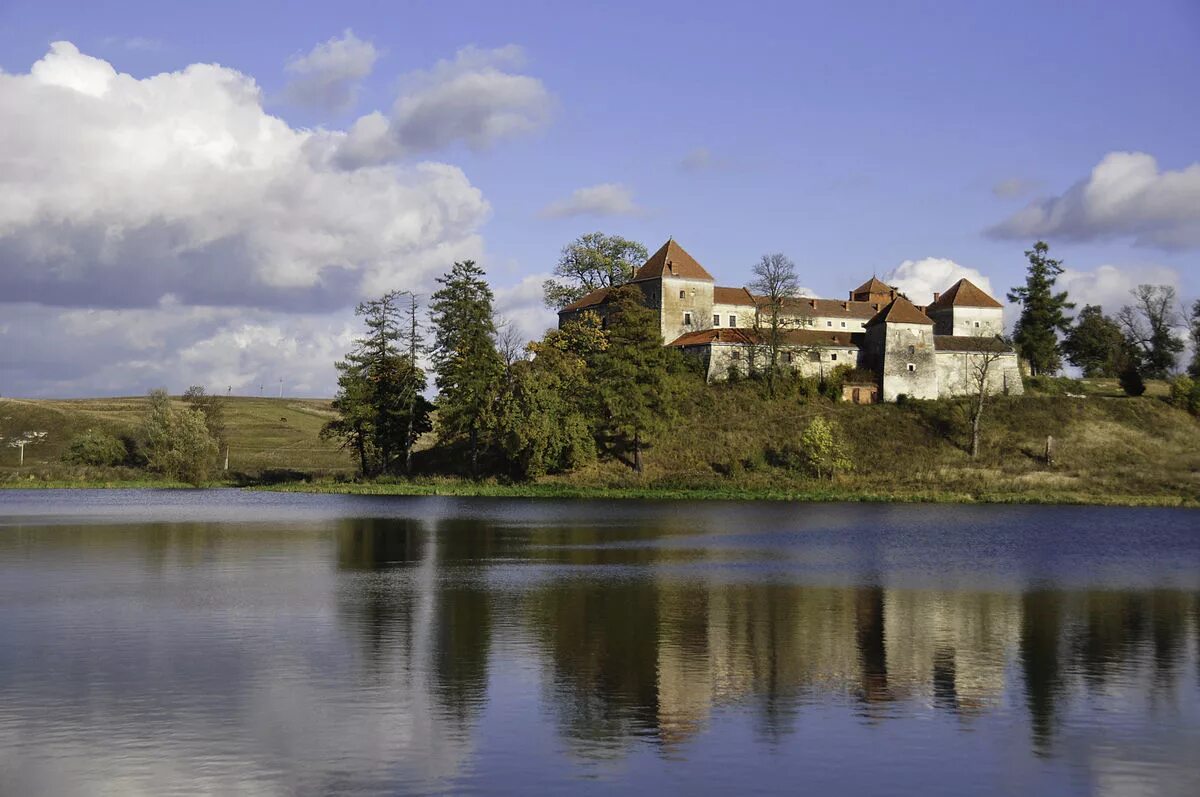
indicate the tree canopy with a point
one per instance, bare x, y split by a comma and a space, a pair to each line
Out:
1095, 344
1043, 312
590, 262
1149, 329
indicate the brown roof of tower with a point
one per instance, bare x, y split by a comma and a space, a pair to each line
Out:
836, 308
598, 296
964, 293
900, 311
873, 285
672, 261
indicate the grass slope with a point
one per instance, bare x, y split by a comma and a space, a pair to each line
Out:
264, 433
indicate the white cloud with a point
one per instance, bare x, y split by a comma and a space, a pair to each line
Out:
605, 199
474, 99
117, 192
1126, 195
521, 305
328, 77
920, 279
1110, 286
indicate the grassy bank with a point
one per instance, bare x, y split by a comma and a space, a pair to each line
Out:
728, 442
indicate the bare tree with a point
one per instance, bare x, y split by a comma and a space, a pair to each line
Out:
982, 366
775, 282
1149, 328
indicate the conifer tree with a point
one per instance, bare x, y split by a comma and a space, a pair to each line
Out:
1194, 334
1043, 312
632, 376
468, 367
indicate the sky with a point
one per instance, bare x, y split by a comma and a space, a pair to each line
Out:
200, 193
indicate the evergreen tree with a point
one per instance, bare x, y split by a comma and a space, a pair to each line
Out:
1194, 334
1095, 344
380, 406
468, 367
592, 261
632, 377
1043, 312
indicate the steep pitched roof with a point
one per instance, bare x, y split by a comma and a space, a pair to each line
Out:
732, 296
970, 343
964, 293
873, 285
900, 311
825, 308
598, 296
672, 261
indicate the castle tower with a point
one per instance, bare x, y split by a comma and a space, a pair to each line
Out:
966, 310
899, 348
679, 288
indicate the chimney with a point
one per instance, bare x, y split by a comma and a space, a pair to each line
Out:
936, 296
851, 295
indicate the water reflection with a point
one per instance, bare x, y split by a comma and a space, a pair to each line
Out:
443, 652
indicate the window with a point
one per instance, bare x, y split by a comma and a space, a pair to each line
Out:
814, 356
828, 323
833, 358
843, 325
911, 368
733, 321
716, 320
976, 324
912, 350
687, 319
735, 355
787, 356
682, 294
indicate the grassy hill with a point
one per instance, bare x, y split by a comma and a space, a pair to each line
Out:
264, 433
727, 440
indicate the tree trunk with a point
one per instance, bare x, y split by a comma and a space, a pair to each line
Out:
978, 416
474, 442
361, 445
637, 454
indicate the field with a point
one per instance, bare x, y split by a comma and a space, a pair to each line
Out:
264, 433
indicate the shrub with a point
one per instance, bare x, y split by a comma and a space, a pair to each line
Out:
824, 446
1185, 394
95, 448
178, 442
1131, 381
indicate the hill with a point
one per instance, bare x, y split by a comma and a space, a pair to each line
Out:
264, 433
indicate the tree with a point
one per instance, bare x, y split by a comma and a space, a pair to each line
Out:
1095, 344
178, 443
212, 408
1149, 329
980, 375
632, 382
590, 262
1043, 312
468, 366
1130, 377
775, 282
380, 403
1194, 334
824, 448
96, 448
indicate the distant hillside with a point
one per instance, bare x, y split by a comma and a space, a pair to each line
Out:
264, 433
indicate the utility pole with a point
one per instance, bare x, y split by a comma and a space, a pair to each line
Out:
281, 387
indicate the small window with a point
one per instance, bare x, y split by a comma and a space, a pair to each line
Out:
787, 356
911, 368
976, 324
733, 321
843, 325
828, 323
682, 294
687, 319
912, 350
814, 356
833, 358
716, 320
735, 355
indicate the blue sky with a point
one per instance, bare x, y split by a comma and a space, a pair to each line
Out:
851, 136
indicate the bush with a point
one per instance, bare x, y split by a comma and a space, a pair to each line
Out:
178, 443
1185, 394
824, 446
1131, 381
95, 448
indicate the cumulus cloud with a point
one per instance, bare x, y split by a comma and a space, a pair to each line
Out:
605, 199
328, 77
118, 192
1111, 286
521, 306
474, 98
1125, 196
920, 279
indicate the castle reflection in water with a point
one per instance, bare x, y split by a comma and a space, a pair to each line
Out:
652, 641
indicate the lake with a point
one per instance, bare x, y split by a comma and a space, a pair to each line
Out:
228, 642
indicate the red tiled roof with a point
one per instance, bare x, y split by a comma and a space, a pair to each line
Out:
672, 261
873, 285
732, 296
826, 308
598, 296
900, 311
964, 293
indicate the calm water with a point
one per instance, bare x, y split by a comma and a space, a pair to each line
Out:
235, 643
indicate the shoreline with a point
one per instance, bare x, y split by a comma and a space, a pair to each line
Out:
466, 489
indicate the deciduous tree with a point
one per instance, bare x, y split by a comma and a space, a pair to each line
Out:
775, 282
590, 262
178, 443
1149, 329
1095, 343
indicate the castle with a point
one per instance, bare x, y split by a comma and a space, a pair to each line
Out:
895, 347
